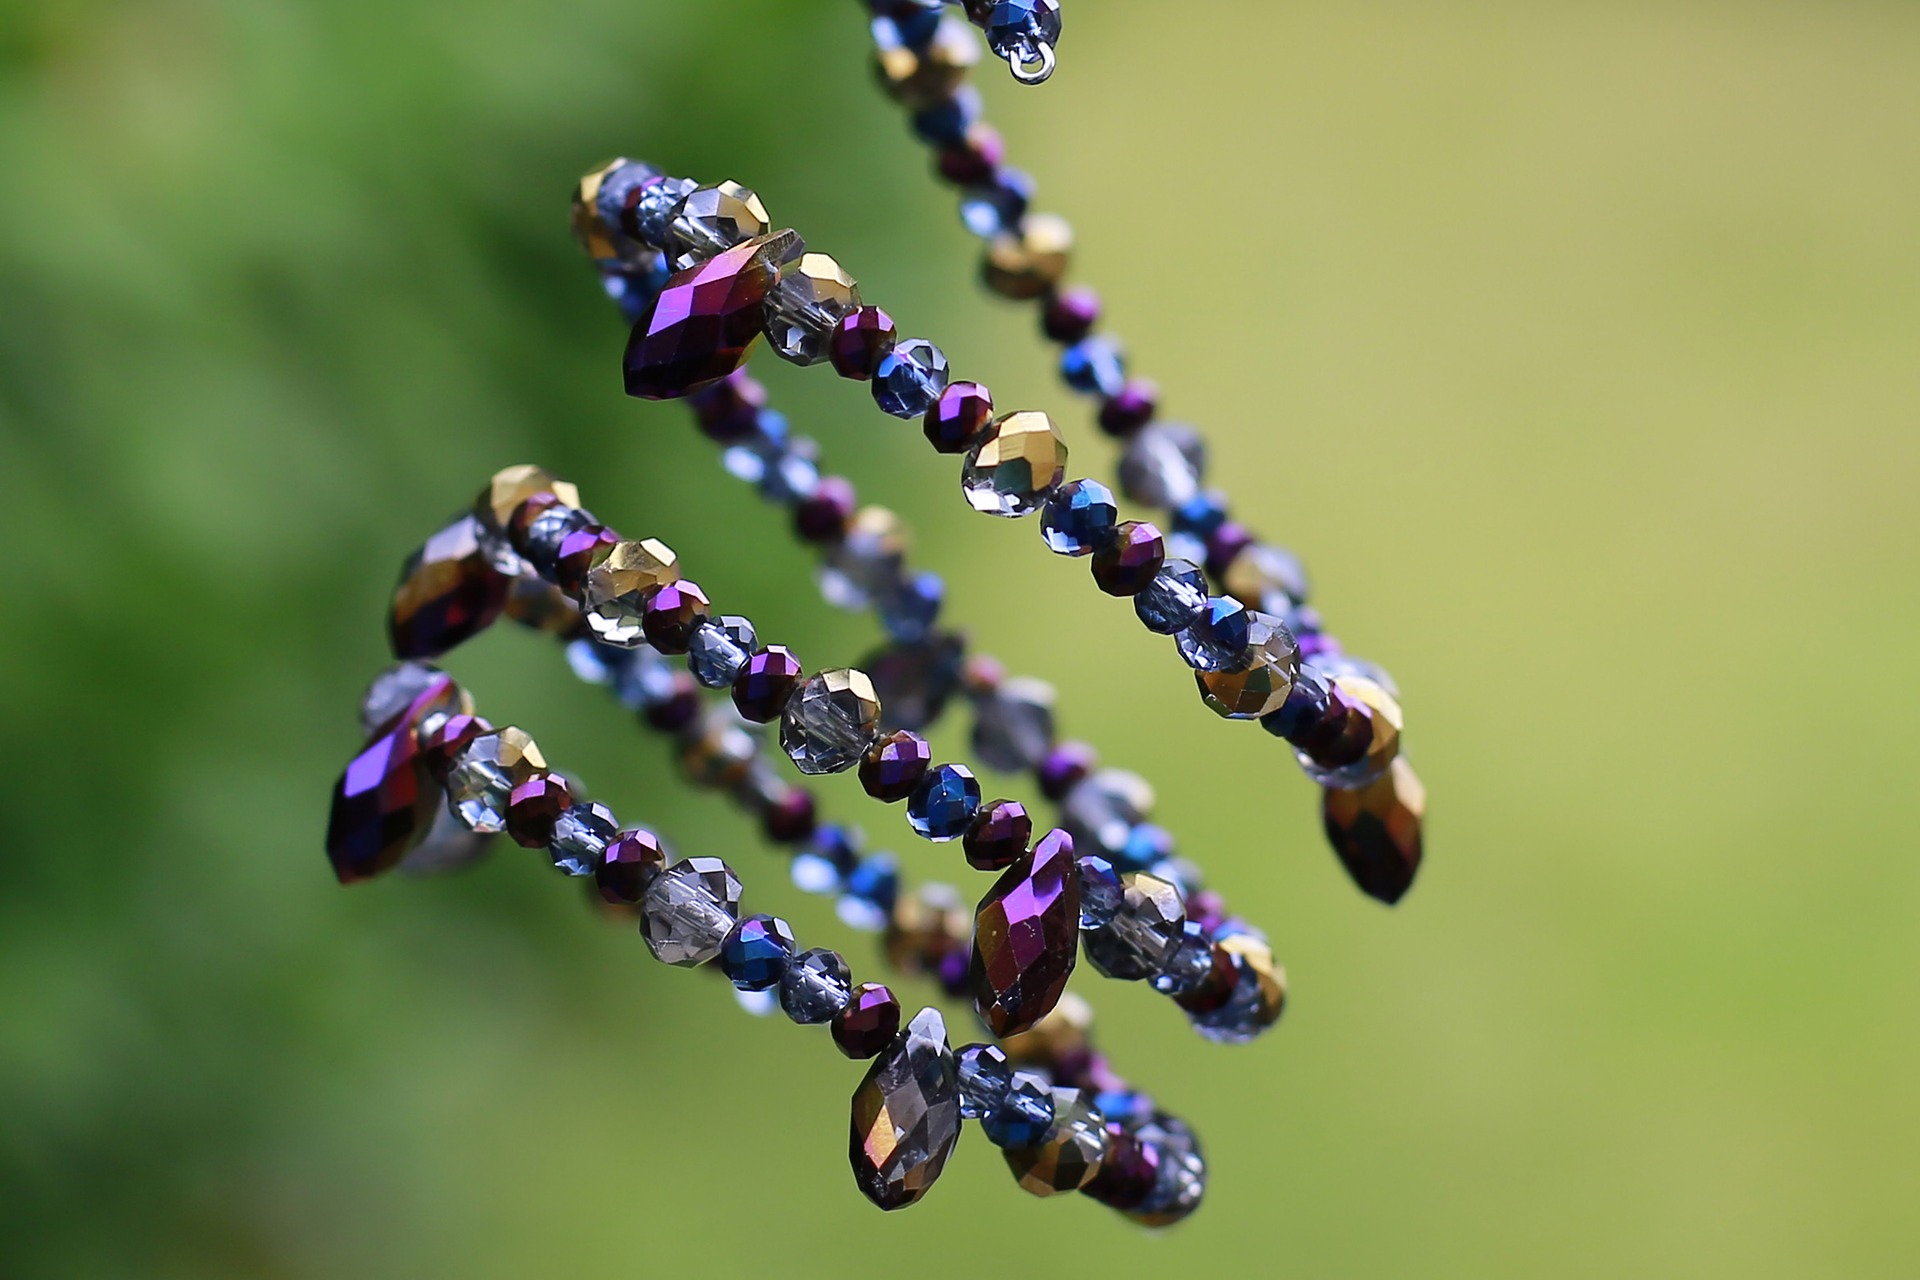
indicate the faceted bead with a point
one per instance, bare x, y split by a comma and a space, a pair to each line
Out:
1383, 747
958, 417
1071, 314
443, 736
447, 847
792, 818
1103, 811
1132, 409
830, 856
873, 886
1174, 600
997, 203
923, 76
985, 1076
975, 158
1219, 638
729, 409
1094, 367
512, 486
1343, 733
915, 681
909, 379
1130, 560
534, 807
580, 552
699, 329
718, 752
998, 835
946, 121
1190, 965
814, 295
713, 219
1376, 830
1201, 514
868, 560
1013, 726
868, 1022
599, 194
1026, 938
1162, 465
671, 613
1078, 518
906, 1115
1257, 999
383, 802
1064, 767
1026, 264
943, 804
894, 765
860, 342
1070, 1155
783, 467
1017, 28
615, 595
766, 682
909, 608
755, 955
1127, 1176
689, 909
580, 838
449, 592
1061, 1043
1266, 577
1024, 1114
1012, 469
540, 527
631, 859
1259, 684
718, 648
1101, 892
1143, 934
1224, 544
482, 779
831, 720
926, 926
393, 691
822, 516
1178, 1188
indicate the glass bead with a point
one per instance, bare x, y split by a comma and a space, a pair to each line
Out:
945, 123
872, 888
998, 835
918, 77
718, 648
869, 559
1190, 964
381, 805
1174, 600
580, 838
713, 219
815, 985
599, 201
1024, 1114
1258, 685
943, 804
1026, 937
615, 594
990, 208
1343, 664
1103, 810
580, 553
829, 858
1147, 845
1225, 543
1376, 831
1306, 705
909, 608
1162, 465
1015, 466
443, 736
1201, 514
534, 807
1016, 29
1013, 727
957, 419
1257, 999
591, 661
915, 681
1078, 518
1094, 367
791, 818
650, 209
906, 23
894, 765
814, 295
510, 487
906, 1115
671, 613
1143, 934
1024, 264
393, 691
1071, 1153
1129, 561
1218, 639
861, 342
1100, 891
784, 468
1382, 744
1071, 314
701, 326
719, 751
830, 721
756, 951
975, 158
1267, 577
909, 379
482, 778
1178, 1188
766, 682
985, 1076
868, 1022
547, 532
450, 590
822, 516
689, 909
1064, 767
632, 858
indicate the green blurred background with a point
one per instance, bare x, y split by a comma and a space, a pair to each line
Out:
1576, 346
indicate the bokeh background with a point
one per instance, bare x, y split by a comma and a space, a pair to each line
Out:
1575, 344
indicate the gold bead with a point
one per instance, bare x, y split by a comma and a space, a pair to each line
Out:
1024, 264
1261, 683
1070, 1155
1020, 460
1376, 830
1388, 720
814, 294
631, 567
514, 485
922, 78
1062, 1034
594, 235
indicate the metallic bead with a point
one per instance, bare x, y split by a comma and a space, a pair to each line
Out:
868, 1022
815, 985
580, 838
1132, 409
630, 861
1201, 514
534, 807
1102, 811
924, 76
1174, 600
873, 886
814, 295
1071, 1153
1376, 830
945, 123
1017, 28
915, 681
1259, 684
998, 204
615, 593
540, 526
1013, 726
1383, 747
1224, 543
1266, 577
1128, 1174
861, 342
713, 219
1026, 938
700, 328
1191, 963
718, 648
1101, 892
383, 802
1024, 1114
756, 953
1257, 999
909, 379
688, 911
719, 753
1143, 934
579, 552
985, 1076
1064, 767
1179, 1186
958, 417
1094, 366
766, 682
869, 558
512, 486
650, 208
598, 194
997, 837
393, 691
823, 515
1012, 469
1218, 639
482, 778
1025, 264
906, 1115
1078, 518
443, 735
924, 927
1162, 465
894, 765
943, 804
1070, 314
975, 158
910, 607
449, 591
792, 818
671, 612
1129, 561
830, 721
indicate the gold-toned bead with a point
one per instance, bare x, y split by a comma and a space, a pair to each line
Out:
814, 294
1261, 683
1376, 830
926, 926
1070, 1155
1024, 264
1063, 1034
594, 235
633, 565
1271, 977
922, 78
1266, 577
514, 485
1384, 747
715, 218
1020, 460
720, 754
537, 604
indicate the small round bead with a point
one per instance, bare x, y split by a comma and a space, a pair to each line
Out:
1162, 466
756, 951
972, 160
672, 612
997, 838
1026, 264
1342, 735
792, 818
718, 648
894, 765
1130, 560
1072, 1153
1064, 767
958, 417
997, 204
1201, 514
1175, 598
688, 910
1100, 891
729, 410
1024, 1115
1133, 408
1015, 466
1094, 367
766, 682
677, 707
1071, 314
822, 515
816, 985
580, 552
908, 609
985, 1075
944, 803
1305, 706
1079, 518
829, 721
868, 1022
443, 742
1383, 745
909, 379
1224, 546
536, 805
1216, 640
945, 123
580, 838
1259, 683
1015, 29
861, 342
632, 858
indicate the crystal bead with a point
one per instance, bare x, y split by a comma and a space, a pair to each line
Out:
718, 752
997, 205
1219, 638
922, 76
915, 681
784, 468
868, 560
534, 807
823, 866
1145, 848
958, 417
630, 861
1101, 892
1094, 367
909, 379
868, 1022
1178, 1188
1132, 409
713, 219
1026, 938
700, 327
1013, 726
615, 593
909, 608
1062, 1042
823, 515
926, 926
943, 804
1376, 830
449, 592
985, 1076
975, 158
1223, 544
598, 202
1174, 600
443, 735
512, 486
766, 682
580, 838
905, 23
1064, 768
945, 122
1143, 934
1102, 811
1078, 518
1024, 1114
894, 765
1162, 465
718, 648
1383, 747
1258, 685
860, 342
906, 1115
540, 529
1266, 577
1128, 1174
814, 295
393, 691
383, 802
1025, 264
756, 952
579, 553
998, 835
872, 888
1129, 561
830, 721
482, 779
1071, 314
649, 208
1012, 469
1190, 964
1071, 1153
1256, 1000
791, 818
671, 612
689, 909
1017, 28
815, 985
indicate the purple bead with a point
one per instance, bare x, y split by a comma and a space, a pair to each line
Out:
822, 515
671, 613
894, 765
958, 417
860, 342
1133, 408
699, 328
792, 818
1071, 314
1223, 544
1129, 562
998, 836
677, 710
729, 410
1064, 767
1306, 705
764, 685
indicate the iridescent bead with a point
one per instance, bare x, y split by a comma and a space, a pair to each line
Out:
830, 721
814, 295
1266, 577
861, 342
382, 804
766, 682
1101, 892
1143, 934
650, 208
925, 927
1258, 685
713, 219
1376, 830
868, 1022
755, 954
791, 818
598, 203
998, 835
617, 588
822, 516
909, 379
1180, 1185
921, 77
449, 591
1013, 468
1224, 544
906, 1115
1344, 733
1162, 465
1201, 514
868, 559
1218, 639
1190, 965
482, 778
1013, 726
511, 488
1094, 367
1130, 560
1127, 1176
701, 326
676, 707
1103, 810
443, 737
580, 838
915, 681
718, 648
688, 911
394, 690
945, 123
1174, 600
894, 765
782, 466
632, 858
1024, 1114
1064, 767
1133, 408
1078, 518
671, 613
1147, 846
579, 553
540, 525
830, 856
1071, 314
909, 608
989, 208
943, 804
963, 411
1383, 746
1026, 938
815, 985
1306, 704
1017, 28
1258, 997
872, 888
909, 23
1071, 1153
1026, 264
533, 808
985, 1076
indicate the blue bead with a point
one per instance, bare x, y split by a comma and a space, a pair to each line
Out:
872, 888
633, 289
909, 609
1201, 514
985, 1077
647, 680
1014, 27
910, 378
1217, 640
1078, 518
1100, 891
996, 206
1306, 704
945, 124
756, 952
1094, 366
944, 803
780, 465
1176, 596
718, 648
1024, 1115
590, 664
827, 861
1191, 965
1145, 845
